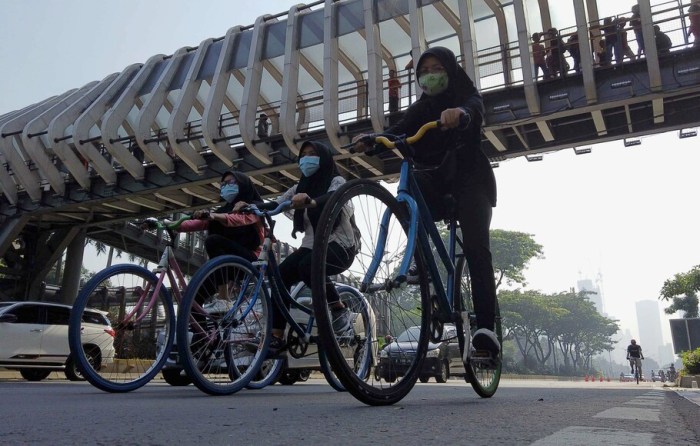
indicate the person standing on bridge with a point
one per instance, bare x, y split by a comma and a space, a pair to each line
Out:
462, 171
694, 19
319, 179
263, 126
636, 24
394, 85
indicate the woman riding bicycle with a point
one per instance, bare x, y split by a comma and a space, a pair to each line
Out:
460, 170
319, 179
230, 232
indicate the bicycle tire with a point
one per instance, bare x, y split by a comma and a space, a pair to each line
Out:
396, 309
140, 348
484, 376
213, 337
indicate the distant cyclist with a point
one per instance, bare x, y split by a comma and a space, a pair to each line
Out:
635, 356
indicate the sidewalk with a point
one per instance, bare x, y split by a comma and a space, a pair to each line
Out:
692, 395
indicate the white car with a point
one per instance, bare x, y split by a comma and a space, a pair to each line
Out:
34, 339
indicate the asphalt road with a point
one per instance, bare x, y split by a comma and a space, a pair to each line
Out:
540, 413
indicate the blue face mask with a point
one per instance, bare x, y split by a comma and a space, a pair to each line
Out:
229, 192
309, 165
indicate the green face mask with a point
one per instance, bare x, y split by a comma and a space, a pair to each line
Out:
433, 83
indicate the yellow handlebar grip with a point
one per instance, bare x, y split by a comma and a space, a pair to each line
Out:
421, 131
387, 143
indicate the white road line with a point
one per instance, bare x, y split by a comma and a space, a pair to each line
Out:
593, 436
629, 413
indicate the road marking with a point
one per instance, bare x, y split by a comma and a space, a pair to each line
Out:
594, 436
629, 413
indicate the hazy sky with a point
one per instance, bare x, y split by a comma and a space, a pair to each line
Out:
624, 213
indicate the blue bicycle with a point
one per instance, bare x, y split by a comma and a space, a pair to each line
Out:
226, 349
414, 283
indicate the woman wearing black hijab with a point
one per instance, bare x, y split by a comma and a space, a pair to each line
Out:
230, 233
319, 179
464, 171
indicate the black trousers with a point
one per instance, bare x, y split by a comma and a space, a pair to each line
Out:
473, 211
297, 268
219, 245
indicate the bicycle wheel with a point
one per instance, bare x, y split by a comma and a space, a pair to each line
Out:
142, 325
390, 308
482, 371
224, 325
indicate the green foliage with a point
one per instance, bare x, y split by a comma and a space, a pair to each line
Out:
691, 362
555, 332
511, 252
682, 292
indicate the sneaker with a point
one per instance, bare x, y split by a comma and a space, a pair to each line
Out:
276, 346
485, 339
341, 320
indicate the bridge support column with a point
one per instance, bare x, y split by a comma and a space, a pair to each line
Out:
74, 263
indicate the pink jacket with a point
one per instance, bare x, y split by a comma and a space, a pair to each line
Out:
232, 220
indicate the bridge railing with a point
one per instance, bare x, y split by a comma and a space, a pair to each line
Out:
499, 67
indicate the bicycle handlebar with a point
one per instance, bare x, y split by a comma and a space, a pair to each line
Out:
167, 225
389, 141
281, 207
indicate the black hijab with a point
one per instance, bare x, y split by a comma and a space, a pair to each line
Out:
460, 86
247, 235
431, 148
246, 191
316, 185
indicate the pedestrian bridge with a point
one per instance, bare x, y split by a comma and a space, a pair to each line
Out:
154, 138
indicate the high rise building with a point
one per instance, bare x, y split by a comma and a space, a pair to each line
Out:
649, 327
594, 293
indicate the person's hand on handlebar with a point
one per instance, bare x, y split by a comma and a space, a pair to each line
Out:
361, 143
201, 215
300, 201
453, 118
239, 205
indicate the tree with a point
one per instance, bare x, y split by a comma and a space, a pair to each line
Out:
528, 318
538, 323
512, 251
682, 292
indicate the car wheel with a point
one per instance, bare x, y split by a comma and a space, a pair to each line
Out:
443, 373
288, 377
423, 379
34, 374
72, 372
304, 375
176, 377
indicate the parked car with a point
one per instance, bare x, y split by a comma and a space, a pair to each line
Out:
628, 377
442, 359
34, 339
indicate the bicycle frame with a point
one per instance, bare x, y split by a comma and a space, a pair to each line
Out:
421, 228
166, 267
268, 274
